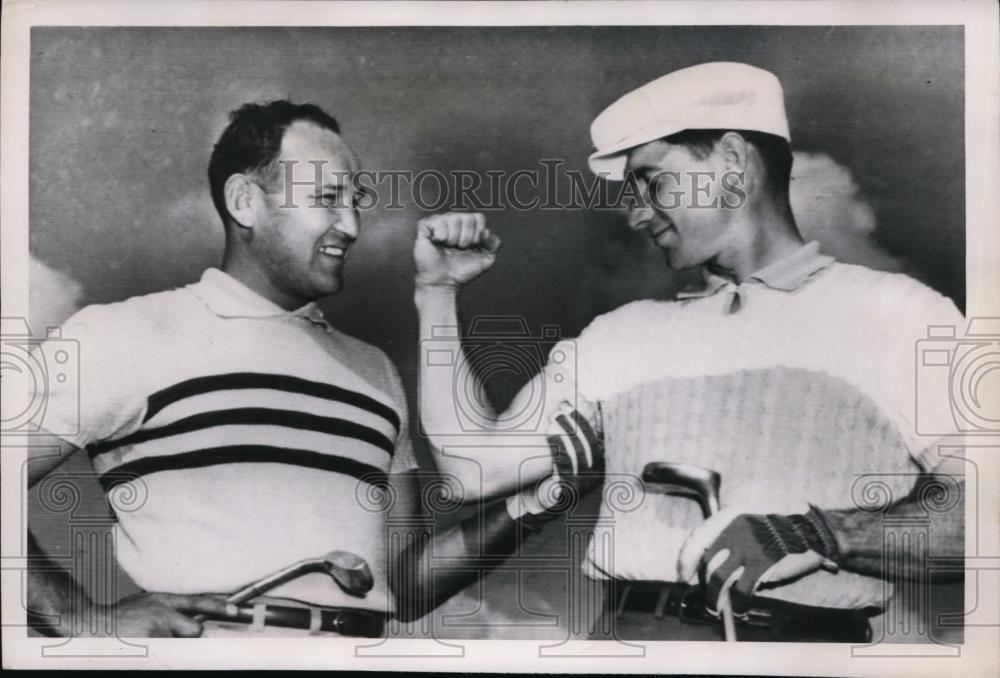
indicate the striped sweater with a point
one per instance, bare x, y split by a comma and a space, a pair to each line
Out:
235, 438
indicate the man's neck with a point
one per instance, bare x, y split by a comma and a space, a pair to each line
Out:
255, 279
769, 235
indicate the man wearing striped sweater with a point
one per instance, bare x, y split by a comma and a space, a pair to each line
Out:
237, 432
789, 373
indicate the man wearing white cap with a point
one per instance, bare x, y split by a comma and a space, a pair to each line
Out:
787, 372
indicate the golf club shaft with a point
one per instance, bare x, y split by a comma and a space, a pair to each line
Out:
725, 607
728, 623
267, 583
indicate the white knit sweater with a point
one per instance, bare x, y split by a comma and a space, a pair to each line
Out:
803, 395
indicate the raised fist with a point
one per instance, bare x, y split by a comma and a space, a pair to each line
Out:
453, 248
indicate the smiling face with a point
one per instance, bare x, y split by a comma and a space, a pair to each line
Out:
309, 215
682, 200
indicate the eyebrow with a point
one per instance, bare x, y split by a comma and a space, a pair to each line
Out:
644, 169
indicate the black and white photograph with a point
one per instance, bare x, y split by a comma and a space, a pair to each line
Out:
551, 337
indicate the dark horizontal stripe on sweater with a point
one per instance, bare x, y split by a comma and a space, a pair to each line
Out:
251, 416
275, 382
241, 454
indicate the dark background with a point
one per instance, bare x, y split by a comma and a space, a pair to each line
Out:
123, 120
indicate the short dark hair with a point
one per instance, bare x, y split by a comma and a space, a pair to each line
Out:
252, 141
775, 151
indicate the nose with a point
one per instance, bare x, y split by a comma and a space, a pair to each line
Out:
348, 223
639, 216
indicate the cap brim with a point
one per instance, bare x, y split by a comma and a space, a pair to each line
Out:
613, 160
610, 167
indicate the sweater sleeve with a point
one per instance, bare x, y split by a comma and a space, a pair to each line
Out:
89, 388
927, 378
404, 458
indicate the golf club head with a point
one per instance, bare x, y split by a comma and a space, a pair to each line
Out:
350, 571
695, 481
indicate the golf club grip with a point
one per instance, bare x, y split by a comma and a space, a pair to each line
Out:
241, 596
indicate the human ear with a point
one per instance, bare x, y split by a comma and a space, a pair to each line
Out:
733, 148
241, 200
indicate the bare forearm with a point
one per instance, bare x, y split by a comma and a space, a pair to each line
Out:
462, 555
437, 309
468, 449
936, 504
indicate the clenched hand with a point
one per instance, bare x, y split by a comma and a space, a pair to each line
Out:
152, 615
452, 249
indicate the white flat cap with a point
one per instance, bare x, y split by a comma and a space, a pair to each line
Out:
718, 95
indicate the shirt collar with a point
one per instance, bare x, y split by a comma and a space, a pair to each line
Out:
786, 274
227, 297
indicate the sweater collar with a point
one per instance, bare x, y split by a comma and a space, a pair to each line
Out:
787, 274
227, 297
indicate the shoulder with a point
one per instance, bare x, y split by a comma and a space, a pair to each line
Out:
889, 294
361, 351
625, 321
887, 312
139, 314
887, 283
604, 355
369, 361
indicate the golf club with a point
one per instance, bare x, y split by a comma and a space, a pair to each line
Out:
351, 573
703, 485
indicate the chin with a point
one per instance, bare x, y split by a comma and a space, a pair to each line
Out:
326, 288
676, 262
329, 290
683, 261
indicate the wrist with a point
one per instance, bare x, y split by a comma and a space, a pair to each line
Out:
429, 285
526, 509
84, 618
838, 525
525, 503
423, 291
827, 533
515, 507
